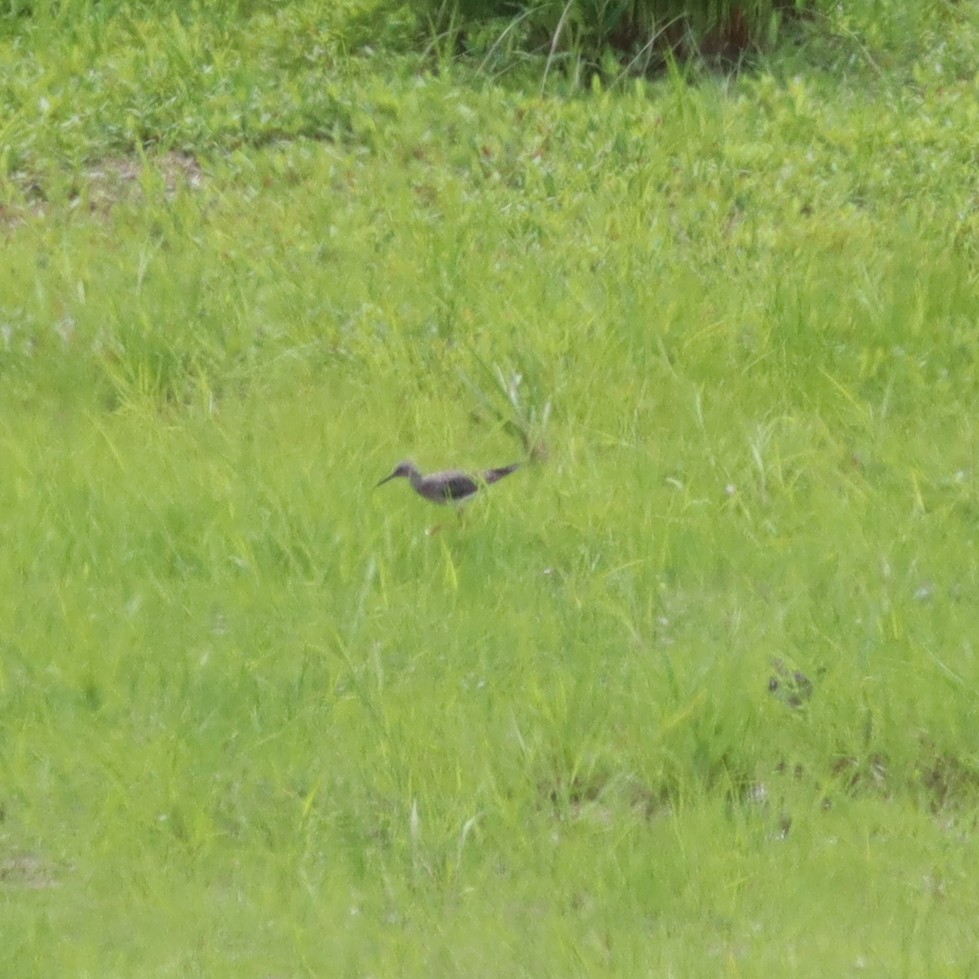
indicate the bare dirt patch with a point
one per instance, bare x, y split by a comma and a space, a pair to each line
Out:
100, 186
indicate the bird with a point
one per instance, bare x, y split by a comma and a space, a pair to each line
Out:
450, 486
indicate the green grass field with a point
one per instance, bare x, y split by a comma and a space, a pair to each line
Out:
694, 693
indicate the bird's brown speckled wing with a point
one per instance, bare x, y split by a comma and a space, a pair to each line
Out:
453, 486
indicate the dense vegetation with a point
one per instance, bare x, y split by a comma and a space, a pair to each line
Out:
694, 692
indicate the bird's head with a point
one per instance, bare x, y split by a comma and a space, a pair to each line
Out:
402, 469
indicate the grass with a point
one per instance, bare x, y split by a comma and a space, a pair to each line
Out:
255, 721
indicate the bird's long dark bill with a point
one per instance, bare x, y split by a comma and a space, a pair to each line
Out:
387, 479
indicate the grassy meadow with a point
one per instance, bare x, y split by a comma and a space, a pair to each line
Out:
693, 693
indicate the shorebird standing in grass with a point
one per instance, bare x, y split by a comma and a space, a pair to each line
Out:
450, 486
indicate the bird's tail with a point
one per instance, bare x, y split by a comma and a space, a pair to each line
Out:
492, 475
